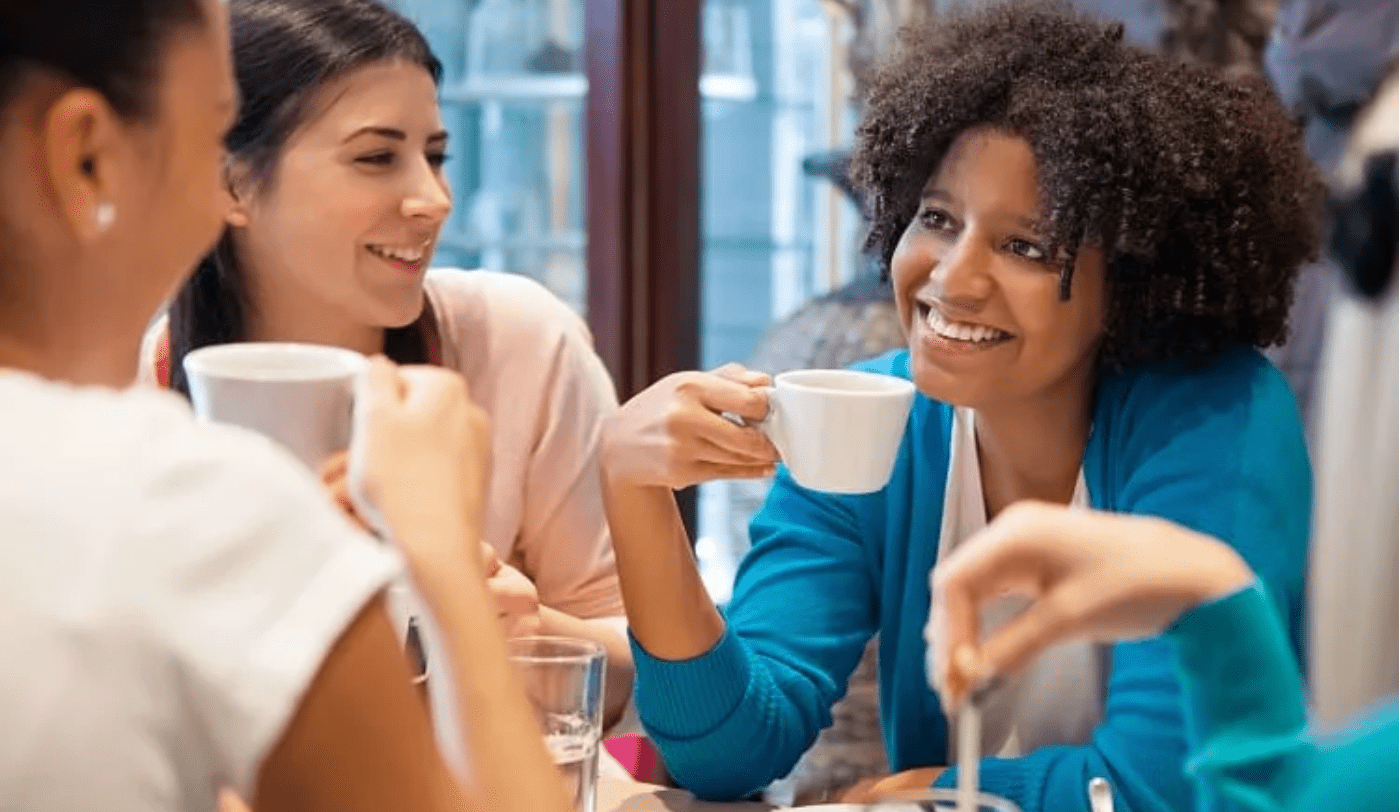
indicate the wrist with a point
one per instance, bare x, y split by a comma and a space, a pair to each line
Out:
618, 485
1224, 578
437, 544
1213, 569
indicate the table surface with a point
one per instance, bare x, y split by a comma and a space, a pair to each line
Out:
626, 795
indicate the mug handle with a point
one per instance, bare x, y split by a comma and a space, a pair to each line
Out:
771, 425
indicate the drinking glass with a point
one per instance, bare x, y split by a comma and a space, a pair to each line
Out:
563, 679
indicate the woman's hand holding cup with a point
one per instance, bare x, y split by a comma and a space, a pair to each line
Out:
676, 433
419, 462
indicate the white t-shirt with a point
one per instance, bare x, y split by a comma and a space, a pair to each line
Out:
1058, 699
168, 591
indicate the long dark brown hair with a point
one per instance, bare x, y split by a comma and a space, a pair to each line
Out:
284, 51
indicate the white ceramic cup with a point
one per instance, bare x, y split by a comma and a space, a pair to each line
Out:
300, 395
838, 430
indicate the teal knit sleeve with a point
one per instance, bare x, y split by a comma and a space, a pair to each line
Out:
734, 719
1356, 770
1246, 721
1245, 717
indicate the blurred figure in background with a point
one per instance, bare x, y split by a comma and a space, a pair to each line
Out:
1356, 537
1328, 60
1100, 576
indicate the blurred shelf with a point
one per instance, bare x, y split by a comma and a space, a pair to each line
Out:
728, 87
545, 87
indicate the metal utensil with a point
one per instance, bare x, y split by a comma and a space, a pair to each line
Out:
1100, 795
969, 755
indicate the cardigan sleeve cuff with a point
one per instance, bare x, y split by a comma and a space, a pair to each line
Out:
686, 699
1237, 669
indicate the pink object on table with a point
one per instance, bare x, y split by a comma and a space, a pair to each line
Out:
638, 756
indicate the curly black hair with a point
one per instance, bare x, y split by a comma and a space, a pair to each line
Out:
1198, 186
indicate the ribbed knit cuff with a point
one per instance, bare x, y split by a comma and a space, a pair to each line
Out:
1012, 779
685, 699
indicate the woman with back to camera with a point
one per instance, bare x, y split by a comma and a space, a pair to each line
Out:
183, 610
1099, 576
336, 199
1087, 244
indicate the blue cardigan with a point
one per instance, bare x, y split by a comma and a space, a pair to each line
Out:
1216, 447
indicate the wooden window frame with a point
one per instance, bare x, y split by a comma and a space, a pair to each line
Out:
642, 146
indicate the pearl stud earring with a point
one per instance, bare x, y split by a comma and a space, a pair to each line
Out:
104, 216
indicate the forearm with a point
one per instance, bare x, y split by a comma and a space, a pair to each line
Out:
510, 768
620, 672
669, 612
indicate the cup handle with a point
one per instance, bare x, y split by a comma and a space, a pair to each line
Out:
770, 425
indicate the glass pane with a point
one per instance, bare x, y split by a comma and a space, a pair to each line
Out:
512, 98
777, 231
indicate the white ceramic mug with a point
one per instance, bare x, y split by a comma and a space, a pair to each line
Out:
838, 430
300, 395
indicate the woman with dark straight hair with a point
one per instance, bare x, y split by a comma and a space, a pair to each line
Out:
285, 54
183, 610
336, 197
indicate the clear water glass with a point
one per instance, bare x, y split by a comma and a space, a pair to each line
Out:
563, 679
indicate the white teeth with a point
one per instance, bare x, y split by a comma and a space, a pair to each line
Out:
961, 332
401, 254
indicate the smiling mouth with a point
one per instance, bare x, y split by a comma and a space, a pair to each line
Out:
407, 255
961, 333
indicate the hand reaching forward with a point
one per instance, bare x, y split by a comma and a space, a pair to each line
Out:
1101, 576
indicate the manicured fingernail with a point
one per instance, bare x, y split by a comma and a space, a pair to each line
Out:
965, 658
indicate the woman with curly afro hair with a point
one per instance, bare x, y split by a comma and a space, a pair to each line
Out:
1088, 243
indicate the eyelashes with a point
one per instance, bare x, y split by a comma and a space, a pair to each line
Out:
941, 222
384, 159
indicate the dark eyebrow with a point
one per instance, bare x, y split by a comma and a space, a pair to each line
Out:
436, 138
1030, 223
384, 132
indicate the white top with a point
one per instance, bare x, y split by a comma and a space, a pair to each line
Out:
1059, 698
167, 593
